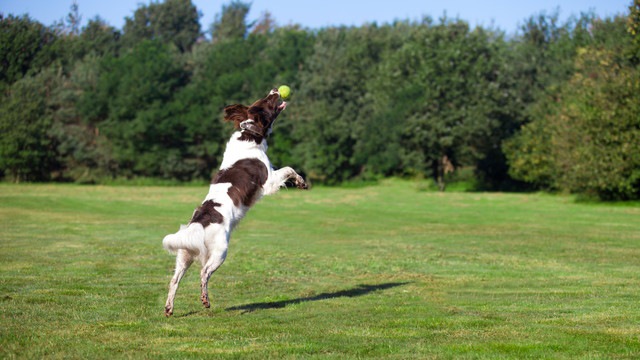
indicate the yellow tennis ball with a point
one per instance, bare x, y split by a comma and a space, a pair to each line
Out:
284, 91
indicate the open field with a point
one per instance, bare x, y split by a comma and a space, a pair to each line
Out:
385, 271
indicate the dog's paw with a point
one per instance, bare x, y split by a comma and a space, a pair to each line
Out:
205, 300
301, 184
168, 311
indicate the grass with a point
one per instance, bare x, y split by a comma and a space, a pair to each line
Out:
384, 271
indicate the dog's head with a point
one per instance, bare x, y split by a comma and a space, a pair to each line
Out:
256, 120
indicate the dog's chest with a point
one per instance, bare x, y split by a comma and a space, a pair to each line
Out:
238, 150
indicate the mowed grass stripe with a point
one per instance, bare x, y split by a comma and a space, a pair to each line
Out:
385, 271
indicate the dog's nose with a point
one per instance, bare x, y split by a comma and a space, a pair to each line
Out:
274, 91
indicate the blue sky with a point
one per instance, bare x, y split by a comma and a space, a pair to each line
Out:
503, 14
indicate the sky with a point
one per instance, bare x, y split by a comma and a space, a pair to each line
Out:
506, 15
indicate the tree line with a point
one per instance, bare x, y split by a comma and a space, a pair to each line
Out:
553, 106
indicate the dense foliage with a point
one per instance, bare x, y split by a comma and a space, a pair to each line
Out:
554, 105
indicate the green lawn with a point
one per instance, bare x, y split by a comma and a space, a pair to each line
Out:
386, 271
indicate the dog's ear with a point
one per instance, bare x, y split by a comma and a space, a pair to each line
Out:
236, 113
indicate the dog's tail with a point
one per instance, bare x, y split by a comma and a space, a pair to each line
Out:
189, 237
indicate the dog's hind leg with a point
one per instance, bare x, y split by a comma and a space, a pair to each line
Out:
183, 261
217, 255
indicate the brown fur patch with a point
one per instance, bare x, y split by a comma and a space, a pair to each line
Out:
207, 214
247, 176
236, 113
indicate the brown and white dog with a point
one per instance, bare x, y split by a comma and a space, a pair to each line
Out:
245, 176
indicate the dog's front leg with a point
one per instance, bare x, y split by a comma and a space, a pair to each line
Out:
280, 177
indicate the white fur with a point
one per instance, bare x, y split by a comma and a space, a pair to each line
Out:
189, 237
237, 150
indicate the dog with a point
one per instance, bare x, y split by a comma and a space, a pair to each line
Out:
245, 176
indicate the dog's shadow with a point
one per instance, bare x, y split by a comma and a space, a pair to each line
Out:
359, 290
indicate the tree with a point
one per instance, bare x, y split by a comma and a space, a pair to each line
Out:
231, 24
530, 154
83, 154
439, 92
171, 22
381, 120
540, 61
588, 141
129, 106
26, 47
332, 89
74, 19
26, 150
633, 28
99, 38
597, 139
265, 24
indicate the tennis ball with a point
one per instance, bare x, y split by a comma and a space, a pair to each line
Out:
284, 91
